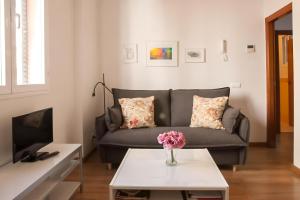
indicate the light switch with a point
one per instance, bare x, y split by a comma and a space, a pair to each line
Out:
235, 85
250, 48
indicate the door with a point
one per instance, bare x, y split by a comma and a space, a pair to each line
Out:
291, 80
272, 74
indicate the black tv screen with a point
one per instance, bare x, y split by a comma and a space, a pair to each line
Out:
31, 132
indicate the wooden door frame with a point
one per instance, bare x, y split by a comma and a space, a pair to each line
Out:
272, 75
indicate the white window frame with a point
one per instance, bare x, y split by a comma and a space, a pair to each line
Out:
12, 89
6, 89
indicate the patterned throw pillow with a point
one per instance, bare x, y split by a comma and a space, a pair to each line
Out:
137, 112
207, 112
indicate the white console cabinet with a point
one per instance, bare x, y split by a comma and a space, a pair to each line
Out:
43, 179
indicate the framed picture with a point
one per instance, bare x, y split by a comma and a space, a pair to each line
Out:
195, 55
130, 53
162, 54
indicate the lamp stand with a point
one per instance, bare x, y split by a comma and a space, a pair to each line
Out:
102, 83
104, 99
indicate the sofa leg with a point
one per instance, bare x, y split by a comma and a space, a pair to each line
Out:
109, 166
234, 168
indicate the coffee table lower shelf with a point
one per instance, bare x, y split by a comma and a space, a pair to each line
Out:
168, 195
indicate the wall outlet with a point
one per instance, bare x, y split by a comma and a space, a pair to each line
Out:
235, 85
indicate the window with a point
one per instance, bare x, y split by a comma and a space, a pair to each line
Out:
29, 36
22, 38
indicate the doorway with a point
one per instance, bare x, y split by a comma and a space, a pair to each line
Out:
280, 81
284, 63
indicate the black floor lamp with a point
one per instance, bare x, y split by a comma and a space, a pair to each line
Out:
104, 90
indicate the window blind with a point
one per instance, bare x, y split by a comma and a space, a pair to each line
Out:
24, 23
2, 45
22, 42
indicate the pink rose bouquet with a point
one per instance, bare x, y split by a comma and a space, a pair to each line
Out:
171, 140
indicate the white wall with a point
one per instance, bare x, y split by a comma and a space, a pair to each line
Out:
73, 31
86, 37
87, 69
194, 24
296, 23
61, 92
271, 6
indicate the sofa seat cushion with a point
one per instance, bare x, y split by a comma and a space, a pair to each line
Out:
195, 138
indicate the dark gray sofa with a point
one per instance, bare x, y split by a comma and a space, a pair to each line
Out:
173, 110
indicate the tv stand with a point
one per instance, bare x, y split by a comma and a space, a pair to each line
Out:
45, 179
34, 157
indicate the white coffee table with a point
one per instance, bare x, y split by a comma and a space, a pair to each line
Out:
145, 169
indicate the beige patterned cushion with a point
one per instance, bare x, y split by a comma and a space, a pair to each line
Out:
137, 112
207, 112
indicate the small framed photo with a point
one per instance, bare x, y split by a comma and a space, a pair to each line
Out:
162, 54
130, 53
195, 55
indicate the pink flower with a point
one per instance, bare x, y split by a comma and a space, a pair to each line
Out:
170, 142
171, 139
161, 138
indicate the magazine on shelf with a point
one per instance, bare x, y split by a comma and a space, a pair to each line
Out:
204, 195
132, 195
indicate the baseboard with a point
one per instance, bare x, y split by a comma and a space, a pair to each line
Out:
85, 158
295, 170
258, 144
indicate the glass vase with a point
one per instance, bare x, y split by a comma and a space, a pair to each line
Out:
171, 159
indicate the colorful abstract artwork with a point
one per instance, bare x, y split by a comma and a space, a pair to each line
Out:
161, 54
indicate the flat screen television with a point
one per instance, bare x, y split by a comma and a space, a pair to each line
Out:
31, 132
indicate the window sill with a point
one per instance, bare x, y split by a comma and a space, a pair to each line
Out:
23, 95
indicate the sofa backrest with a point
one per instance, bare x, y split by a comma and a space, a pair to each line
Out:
162, 107
182, 103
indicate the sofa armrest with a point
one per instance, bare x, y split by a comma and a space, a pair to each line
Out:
101, 127
243, 128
